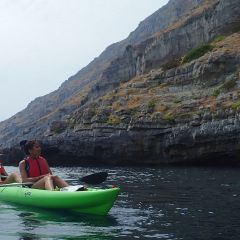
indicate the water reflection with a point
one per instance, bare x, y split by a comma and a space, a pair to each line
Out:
35, 220
28, 236
40, 216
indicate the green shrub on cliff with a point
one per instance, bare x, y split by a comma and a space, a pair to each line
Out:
199, 51
168, 117
113, 120
216, 92
196, 53
227, 86
152, 104
235, 105
218, 39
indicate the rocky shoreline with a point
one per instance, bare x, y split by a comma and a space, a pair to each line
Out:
211, 143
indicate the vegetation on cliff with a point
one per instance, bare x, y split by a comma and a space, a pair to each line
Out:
161, 95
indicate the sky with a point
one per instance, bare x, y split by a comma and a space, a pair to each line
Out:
44, 42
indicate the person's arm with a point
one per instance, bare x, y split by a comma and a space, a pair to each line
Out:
24, 176
49, 170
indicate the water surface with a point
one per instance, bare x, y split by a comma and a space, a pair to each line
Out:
164, 203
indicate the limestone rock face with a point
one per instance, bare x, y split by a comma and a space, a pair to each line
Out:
140, 101
202, 127
203, 25
82, 87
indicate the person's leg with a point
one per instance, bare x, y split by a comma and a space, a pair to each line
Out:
17, 177
59, 182
13, 177
44, 183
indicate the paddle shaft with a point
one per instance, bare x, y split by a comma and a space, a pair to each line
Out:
16, 184
94, 178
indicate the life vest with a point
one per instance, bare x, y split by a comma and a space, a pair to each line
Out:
2, 173
36, 167
2, 170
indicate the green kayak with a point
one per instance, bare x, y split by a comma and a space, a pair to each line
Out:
91, 200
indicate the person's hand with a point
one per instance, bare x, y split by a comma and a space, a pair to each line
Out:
54, 176
48, 174
42, 176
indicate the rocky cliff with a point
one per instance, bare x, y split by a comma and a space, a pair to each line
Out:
167, 94
75, 91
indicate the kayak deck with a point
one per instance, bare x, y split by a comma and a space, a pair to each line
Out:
91, 201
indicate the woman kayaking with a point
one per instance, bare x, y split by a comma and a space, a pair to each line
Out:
34, 168
8, 178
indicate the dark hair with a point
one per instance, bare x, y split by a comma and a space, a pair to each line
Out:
29, 145
1, 157
22, 143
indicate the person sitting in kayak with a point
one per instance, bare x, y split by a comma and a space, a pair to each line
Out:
8, 178
34, 168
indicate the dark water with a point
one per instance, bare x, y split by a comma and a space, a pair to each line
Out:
164, 203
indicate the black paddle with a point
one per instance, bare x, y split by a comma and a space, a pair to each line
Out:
95, 178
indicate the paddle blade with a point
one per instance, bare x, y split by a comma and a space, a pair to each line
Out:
95, 178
